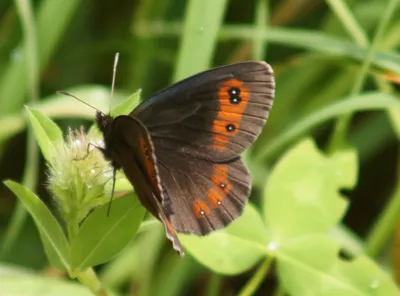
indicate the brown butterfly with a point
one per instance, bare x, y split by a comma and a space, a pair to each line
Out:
181, 148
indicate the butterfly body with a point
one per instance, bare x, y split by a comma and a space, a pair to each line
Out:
181, 148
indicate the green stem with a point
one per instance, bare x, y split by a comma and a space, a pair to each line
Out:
72, 229
342, 125
91, 281
279, 291
253, 284
213, 285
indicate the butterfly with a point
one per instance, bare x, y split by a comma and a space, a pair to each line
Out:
180, 148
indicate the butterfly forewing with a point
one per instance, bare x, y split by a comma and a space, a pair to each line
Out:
215, 115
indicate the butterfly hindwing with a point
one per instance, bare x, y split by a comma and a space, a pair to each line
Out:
201, 196
128, 146
215, 115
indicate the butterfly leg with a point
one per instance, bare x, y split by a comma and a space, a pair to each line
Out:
88, 151
112, 191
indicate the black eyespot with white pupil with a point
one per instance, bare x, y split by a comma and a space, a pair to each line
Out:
202, 212
234, 95
222, 185
234, 91
230, 127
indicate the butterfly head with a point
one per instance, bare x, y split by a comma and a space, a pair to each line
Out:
104, 122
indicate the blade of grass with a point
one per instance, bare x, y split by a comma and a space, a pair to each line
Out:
351, 25
51, 25
384, 226
298, 38
145, 49
57, 106
342, 125
369, 101
29, 179
203, 19
260, 27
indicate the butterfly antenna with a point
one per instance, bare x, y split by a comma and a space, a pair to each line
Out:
113, 77
62, 92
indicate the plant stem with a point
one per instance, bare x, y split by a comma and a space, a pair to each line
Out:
213, 285
91, 281
253, 284
342, 125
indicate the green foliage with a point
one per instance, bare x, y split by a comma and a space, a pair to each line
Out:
308, 203
93, 237
330, 61
232, 250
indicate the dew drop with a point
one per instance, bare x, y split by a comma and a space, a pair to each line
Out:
92, 171
16, 55
89, 186
375, 284
272, 246
78, 142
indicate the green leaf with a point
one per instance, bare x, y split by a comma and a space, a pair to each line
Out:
54, 240
231, 250
302, 194
101, 237
31, 285
127, 105
311, 266
46, 132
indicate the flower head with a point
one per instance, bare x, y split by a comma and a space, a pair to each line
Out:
79, 175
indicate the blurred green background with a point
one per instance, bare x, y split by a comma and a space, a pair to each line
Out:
320, 51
